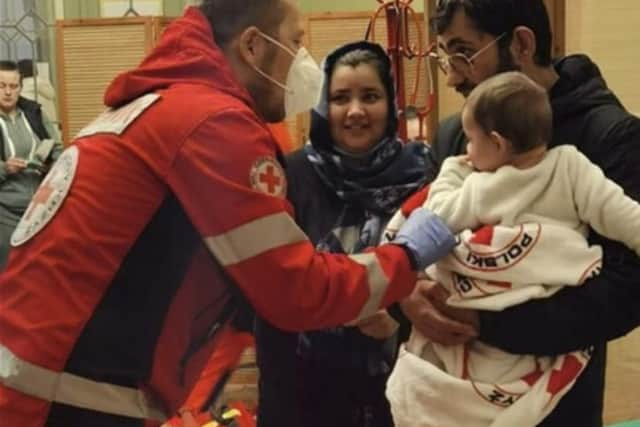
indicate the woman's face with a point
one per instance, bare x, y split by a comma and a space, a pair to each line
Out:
358, 107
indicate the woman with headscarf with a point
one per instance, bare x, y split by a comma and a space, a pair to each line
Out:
345, 184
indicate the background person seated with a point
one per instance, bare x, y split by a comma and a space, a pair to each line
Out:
29, 144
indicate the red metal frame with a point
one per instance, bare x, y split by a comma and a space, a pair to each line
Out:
398, 15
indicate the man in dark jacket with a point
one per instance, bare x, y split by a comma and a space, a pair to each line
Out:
477, 39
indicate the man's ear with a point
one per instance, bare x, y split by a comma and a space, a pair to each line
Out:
523, 45
251, 46
501, 143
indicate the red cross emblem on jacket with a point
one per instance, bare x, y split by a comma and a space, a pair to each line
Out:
267, 176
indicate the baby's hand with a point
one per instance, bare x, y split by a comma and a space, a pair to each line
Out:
463, 159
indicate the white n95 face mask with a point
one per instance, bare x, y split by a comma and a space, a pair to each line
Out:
304, 80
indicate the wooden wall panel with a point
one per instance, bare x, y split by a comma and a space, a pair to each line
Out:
89, 57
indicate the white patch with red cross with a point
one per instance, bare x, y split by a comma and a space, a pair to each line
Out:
268, 177
118, 120
49, 197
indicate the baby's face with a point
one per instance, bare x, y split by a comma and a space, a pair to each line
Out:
484, 150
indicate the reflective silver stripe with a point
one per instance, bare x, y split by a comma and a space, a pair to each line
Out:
378, 282
254, 238
73, 390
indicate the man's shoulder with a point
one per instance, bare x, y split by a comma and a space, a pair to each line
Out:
451, 124
449, 134
300, 169
584, 105
200, 108
600, 130
193, 99
449, 141
28, 105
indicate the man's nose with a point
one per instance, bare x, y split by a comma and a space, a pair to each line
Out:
454, 78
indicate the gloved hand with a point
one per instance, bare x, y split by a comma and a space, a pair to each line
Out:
426, 237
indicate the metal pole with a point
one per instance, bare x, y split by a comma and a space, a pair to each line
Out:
395, 50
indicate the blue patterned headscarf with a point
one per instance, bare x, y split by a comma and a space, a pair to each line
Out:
379, 179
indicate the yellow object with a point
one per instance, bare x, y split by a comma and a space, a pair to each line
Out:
231, 413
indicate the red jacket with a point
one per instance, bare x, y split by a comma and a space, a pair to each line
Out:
165, 212
281, 134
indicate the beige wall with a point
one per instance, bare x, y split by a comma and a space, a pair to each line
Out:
609, 32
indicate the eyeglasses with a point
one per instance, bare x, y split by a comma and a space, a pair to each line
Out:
459, 62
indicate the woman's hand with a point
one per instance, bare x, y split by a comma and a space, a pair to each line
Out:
379, 326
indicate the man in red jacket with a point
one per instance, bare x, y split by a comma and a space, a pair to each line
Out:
165, 214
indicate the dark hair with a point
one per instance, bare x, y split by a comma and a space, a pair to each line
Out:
26, 68
516, 107
363, 56
10, 66
228, 18
500, 16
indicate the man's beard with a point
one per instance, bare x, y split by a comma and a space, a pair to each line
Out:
263, 91
505, 63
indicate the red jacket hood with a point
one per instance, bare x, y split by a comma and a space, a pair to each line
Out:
186, 53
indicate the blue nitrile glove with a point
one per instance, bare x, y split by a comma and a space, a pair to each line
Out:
426, 237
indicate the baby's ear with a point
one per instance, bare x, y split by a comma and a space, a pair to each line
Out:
502, 143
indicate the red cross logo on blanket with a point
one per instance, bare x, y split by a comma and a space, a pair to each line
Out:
268, 177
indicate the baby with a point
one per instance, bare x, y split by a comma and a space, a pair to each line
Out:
522, 212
